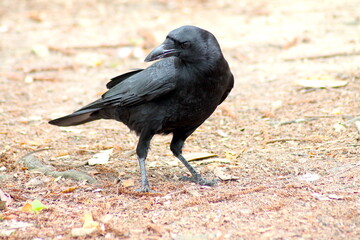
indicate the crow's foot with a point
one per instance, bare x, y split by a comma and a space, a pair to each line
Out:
145, 189
199, 180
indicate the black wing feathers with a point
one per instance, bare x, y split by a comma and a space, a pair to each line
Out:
144, 86
114, 81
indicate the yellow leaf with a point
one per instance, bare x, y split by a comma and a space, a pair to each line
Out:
27, 207
37, 206
89, 221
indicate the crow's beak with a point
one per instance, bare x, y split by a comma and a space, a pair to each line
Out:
162, 51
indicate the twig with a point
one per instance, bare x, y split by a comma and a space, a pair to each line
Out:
357, 118
70, 49
324, 116
48, 69
330, 55
115, 45
283, 140
354, 145
352, 120
345, 169
300, 120
64, 51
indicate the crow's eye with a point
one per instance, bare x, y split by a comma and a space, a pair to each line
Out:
185, 45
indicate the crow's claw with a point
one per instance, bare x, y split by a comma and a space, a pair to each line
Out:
145, 190
199, 180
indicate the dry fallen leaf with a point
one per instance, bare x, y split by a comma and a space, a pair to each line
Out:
128, 183
2, 205
31, 143
40, 50
79, 232
291, 43
101, 157
89, 226
36, 16
26, 208
222, 133
71, 189
198, 156
321, 82
89, 221
5, 200
155, 228
220, 173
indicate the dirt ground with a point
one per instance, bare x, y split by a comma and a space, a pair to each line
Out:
287, 154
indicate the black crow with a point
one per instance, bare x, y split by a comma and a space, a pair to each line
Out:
174, 95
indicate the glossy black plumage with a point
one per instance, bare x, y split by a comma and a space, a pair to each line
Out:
174, 95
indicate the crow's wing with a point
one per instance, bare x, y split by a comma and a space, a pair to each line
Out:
146, 85
114, 81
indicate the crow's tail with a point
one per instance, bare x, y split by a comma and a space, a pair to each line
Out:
75, 119
86, 114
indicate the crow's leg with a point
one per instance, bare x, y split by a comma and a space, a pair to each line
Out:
141, 151
176, 146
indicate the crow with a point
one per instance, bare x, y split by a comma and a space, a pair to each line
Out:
174, 95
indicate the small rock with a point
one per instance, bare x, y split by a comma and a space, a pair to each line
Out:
194, 193
309, 177
320, 197
34, 182
40, 50
80, 232
245, 211
335, 196
339, 127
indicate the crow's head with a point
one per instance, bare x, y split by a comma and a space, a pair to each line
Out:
189, 43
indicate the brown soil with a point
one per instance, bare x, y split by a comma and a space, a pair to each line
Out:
270, 133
